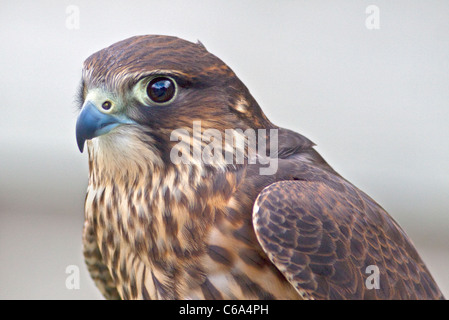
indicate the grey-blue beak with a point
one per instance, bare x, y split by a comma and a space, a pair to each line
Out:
92, 123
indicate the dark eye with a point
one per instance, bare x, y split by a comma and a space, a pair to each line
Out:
161, 89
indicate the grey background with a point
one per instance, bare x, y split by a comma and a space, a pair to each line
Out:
374, 101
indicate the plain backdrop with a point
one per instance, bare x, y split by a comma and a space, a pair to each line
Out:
375, 101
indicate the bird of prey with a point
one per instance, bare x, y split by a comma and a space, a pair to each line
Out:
159, 228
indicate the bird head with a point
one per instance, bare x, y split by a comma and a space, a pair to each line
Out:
137, 91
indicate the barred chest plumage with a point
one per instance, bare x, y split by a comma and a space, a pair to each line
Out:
175, 233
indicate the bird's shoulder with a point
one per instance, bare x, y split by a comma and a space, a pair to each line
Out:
324, 234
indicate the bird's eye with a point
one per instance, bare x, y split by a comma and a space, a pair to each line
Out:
106, 105
161, 89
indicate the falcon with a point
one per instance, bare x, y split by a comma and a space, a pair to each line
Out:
159, 228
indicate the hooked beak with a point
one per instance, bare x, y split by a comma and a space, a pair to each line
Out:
92, 123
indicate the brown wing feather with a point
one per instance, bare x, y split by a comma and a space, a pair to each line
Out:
323, 238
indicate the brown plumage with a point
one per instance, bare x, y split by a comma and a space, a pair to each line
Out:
156, 229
